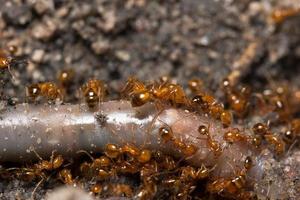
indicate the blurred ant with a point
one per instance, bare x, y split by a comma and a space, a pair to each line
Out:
170, 93
48, 90
262, 130
65, 77
121, 190
99, 166
6, 59
234, 135
96, 188
94, 92
148, 189
65, 176
280, 15
189, 172
196, 86
238, 100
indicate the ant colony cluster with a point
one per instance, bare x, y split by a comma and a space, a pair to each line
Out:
195, 145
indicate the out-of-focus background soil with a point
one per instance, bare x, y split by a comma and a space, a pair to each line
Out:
114, 39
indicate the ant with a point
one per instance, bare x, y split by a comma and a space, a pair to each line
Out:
290, 135
234, 135
54, 163
226, 118
145, 156
99, 166
262, 130
280, 15
213, 144
137, 91
187, 149
112, 151
167, 135
121, 190
65, 77
47, 89
231, 186
6, 59
96, 188
65, 176
195, 85
238, 100
148, 189
194, 174
210, 105
165, 162
94, 92
169, 92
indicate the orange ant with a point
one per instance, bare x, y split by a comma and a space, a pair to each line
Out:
94, 92
234, 185
121, 190
167, 135
149, 169
213, 144
137, 91
65, 176
237, 100
280, 15
210, 105
168, 92
46, 89
290, 135
165, 162
54, 163
148, 189
226, 118
260, 129
296, 126
65, 77
112, 151
263, 131
234, 135
195, 85
96, 188
279, 145
38, 170
194, 174
143, 156
6, 61
98, 166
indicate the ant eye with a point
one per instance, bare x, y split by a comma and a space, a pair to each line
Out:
289, 136
260, 129
203, 130
248, 162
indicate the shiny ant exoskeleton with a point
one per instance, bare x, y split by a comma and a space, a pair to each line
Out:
48, 90
213, 145
94, 92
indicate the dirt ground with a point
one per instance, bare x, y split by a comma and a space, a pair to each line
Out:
114, 39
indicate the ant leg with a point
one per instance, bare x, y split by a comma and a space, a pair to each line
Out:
35, 189
37, 155
87, 153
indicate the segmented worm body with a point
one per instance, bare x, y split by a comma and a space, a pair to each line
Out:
66, 129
